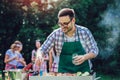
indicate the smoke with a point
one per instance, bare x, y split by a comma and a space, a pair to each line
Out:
111, 21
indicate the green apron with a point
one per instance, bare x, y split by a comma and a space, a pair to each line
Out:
65, 62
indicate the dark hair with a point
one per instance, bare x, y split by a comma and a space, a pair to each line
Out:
65, 12
38, 40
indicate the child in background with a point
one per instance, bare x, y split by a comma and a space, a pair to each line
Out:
53, 62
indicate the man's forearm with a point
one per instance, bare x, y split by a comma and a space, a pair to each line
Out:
89, 56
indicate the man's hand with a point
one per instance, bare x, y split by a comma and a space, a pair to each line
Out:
82, 58
79, 59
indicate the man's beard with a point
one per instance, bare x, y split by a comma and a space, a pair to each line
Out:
70, 28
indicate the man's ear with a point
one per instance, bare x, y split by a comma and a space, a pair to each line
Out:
73, 20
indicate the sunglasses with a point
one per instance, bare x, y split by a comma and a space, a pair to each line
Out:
65, 23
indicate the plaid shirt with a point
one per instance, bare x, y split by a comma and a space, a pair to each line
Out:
56, 38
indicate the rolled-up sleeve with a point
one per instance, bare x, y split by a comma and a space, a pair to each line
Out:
47, 45
91, 43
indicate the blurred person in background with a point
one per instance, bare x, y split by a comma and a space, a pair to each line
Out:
53, 62
21, 62
38, 65
11, 57
33, 57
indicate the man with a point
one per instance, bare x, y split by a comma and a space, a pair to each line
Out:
71, 39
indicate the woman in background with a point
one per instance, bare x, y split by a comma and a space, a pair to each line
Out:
39, 65
11, 57
33, 57
21, 62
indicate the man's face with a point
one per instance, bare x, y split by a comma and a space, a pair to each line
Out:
66, 24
